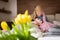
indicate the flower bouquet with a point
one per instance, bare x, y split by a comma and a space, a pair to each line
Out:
20, 28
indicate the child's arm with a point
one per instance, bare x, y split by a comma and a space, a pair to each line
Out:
38, 21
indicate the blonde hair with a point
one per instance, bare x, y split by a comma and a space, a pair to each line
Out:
37, 8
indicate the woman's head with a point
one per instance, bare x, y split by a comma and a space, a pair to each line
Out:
38, 10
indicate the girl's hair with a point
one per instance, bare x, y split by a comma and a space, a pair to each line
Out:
34, 15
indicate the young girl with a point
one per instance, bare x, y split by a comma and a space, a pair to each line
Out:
40, 19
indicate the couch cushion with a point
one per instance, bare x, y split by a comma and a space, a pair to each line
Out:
57, 17
50, 17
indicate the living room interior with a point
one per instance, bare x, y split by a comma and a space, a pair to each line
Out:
9, 9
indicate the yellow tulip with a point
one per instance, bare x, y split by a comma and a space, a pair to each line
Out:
4, 26
23, 19
19, 18
26, 12
29, 18
17, 21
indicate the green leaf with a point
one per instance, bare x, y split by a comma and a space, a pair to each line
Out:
17, 30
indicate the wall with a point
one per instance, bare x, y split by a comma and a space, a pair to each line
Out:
10, 5
49, 6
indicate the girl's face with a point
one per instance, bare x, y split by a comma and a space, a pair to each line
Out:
38, 11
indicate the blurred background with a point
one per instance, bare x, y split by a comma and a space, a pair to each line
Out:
10, 8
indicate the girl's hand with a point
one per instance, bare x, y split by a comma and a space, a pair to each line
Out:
38, 21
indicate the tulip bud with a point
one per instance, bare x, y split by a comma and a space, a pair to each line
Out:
4, 26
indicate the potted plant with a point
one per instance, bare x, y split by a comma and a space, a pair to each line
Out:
20, 28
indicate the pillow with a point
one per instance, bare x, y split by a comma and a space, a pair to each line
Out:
57, 17
50, 18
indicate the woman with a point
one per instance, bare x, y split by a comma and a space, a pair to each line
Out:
40, 19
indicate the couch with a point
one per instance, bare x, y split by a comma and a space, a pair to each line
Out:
54, 18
